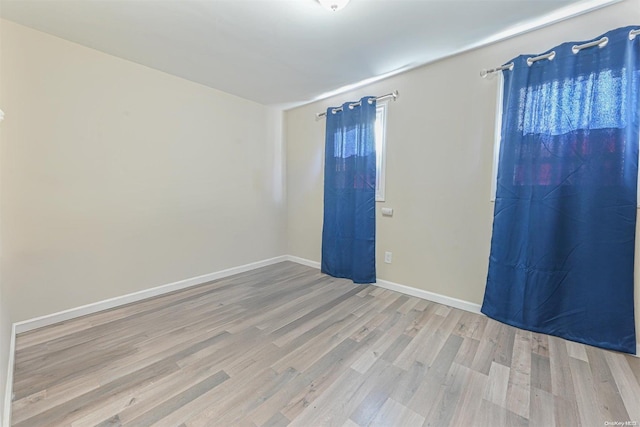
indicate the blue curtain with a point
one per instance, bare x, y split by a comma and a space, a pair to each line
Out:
349, 228
562, 250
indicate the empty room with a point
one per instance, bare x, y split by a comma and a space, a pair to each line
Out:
319, 213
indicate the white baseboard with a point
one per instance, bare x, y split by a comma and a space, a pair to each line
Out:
408, 290
303, 261
8, 390
430, 296
95, 307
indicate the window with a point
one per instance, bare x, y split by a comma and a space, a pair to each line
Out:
345, 149
497, 136
380, 135
605, 85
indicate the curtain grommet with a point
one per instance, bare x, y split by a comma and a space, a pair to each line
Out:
600, 43
548, 56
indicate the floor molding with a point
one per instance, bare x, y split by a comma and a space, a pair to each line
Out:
61, 316
408, 290
430, 296
304, 261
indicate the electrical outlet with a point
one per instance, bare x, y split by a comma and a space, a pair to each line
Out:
387, 211
387, 257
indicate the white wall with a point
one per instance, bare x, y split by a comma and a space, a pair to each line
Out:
5, 321
439, 158
118, 178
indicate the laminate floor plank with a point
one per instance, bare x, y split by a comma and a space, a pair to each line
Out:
394, 413
490, 414
277, 420
540, 344
470, 326
434, 389
561, 380
608, 396
540, 372
417, 347
305, 355
302, 328
577, 351
519, 387
417, 325
379, 393
467, 352
293, 394
634, 365
586, 399
542, 408
326, 372
487, 345
626, 383
470, 399
231, 409
442, 403
434, 344
68, 411
497, 385
285, 345
347, 396
177, 401
385, 346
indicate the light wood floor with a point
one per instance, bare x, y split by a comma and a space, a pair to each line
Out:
285, 345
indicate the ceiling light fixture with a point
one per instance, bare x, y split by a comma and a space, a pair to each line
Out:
334, 5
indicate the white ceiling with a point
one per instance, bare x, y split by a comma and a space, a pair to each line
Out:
286, 52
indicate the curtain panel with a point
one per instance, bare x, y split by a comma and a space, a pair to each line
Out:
349, 227
562, 249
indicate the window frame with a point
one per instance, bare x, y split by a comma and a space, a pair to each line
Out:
497, 137
381, 149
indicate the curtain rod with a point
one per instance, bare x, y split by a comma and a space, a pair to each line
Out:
393, 95
575, 49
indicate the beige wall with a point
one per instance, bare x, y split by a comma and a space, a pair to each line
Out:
5, 321
118, 178
439, 158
